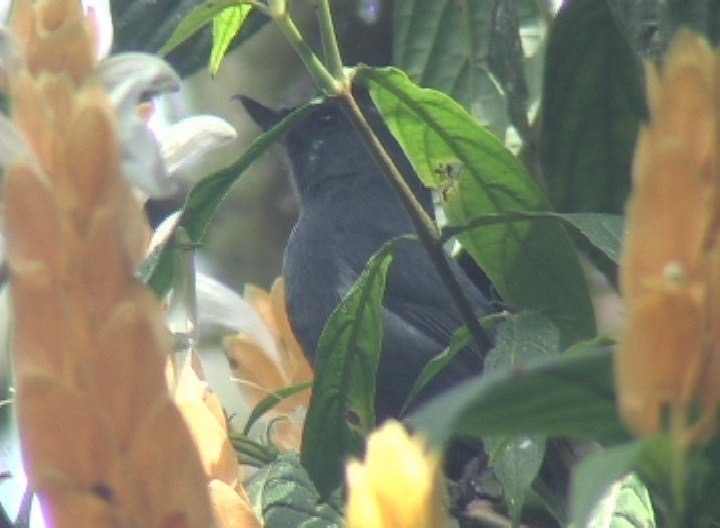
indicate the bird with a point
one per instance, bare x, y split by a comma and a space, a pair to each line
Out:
347, 212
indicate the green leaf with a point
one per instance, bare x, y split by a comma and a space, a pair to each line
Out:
252, 452
444, 45
458, 341
472, 51
206, 195
516, 460
342, 403
592, 104
603, 495
565, 395
226, 26
704, 468
283, 496
604, 231
271, 400
533, 265
194, 21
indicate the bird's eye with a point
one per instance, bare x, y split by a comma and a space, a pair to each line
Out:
328, 118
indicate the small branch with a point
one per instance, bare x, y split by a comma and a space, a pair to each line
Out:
328, 84
333, 60
426, 229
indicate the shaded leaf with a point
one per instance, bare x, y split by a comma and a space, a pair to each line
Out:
604, 231
592, 104
505, 58
570, 395
283, 496
516, 460
226, 26
533, 265
444, 45
206, 195
342, 403
472, 51
460, 338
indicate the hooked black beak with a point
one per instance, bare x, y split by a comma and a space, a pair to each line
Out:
262, 116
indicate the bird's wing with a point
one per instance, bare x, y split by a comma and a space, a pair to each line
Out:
416, 293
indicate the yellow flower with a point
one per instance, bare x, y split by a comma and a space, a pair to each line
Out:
397, 486
262, 372
668, 358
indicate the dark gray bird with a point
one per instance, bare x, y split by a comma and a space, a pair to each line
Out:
347, 212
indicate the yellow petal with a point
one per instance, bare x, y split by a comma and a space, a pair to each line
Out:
362, 509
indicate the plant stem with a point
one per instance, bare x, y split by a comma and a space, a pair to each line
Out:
678, 475
328, 84
331, 50
427, 231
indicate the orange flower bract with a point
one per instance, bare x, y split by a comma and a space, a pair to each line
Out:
668, 360
103, 443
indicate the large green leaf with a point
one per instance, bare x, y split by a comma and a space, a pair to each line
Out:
444, 45
473, 52
341, 409
205, 197
532, 264
283, 496
592, 104
568, 395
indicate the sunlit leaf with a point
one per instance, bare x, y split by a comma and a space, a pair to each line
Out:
533, 265
194, 21
226, 26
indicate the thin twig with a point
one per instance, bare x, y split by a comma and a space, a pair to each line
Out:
426, 229
333, 60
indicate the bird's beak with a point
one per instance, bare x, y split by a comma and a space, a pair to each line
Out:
262, 116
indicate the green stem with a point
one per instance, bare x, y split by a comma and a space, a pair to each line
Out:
328, 84
331, 50
427, 231
678, 476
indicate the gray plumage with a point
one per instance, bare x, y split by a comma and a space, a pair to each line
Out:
347, 212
